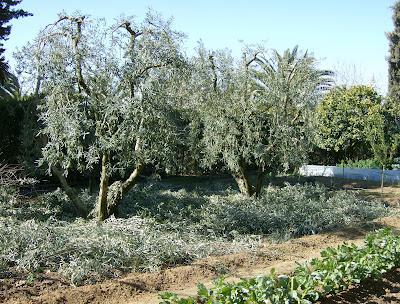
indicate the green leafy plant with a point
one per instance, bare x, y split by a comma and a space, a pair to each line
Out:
336, 270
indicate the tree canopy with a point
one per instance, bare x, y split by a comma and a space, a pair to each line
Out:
108, 98
341, 119
255, 112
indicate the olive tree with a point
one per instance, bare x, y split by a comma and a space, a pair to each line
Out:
109, 100
255, 111
218, 91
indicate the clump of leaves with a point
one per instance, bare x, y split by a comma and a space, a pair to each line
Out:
165, 227
290, 211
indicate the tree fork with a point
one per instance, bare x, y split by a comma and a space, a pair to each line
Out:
119, 189
71, 193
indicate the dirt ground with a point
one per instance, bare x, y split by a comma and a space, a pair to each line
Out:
145, 287
386, 291
390, 193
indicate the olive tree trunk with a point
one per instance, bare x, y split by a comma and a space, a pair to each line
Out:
102, 212
119, 189
259, 181
111, 195
71, 193
243, 180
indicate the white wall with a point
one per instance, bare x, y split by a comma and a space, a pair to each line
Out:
392, 176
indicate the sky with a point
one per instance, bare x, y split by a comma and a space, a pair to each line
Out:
347, 36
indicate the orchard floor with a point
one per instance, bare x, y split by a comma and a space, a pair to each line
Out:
368, 189
145, 287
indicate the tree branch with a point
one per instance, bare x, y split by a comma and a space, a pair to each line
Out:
75, 43
154, 66
71, 193
78, 64
213, 68
255, 58
127, 25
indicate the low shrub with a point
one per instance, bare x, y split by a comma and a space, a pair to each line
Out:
362, 163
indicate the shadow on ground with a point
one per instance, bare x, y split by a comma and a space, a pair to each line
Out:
385, 290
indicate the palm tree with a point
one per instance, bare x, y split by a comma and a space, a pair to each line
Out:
289, 85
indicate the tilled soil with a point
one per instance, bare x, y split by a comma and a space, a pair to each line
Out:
386, 290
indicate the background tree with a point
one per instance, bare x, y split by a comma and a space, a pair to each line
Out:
382, 131
290, 85
341, 118
9, 88
108, 99
256, 111
7, 13
394, 57
13, 107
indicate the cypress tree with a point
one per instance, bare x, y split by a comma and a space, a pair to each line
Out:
394, 57
7, 13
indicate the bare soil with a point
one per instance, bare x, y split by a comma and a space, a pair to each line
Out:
145, 287
386, 290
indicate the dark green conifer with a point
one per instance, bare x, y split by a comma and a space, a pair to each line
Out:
7, 13
394, 56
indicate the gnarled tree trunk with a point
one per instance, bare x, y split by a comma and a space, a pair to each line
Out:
119, 189
243, 180
111, 195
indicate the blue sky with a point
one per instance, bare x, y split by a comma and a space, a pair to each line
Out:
345, 35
